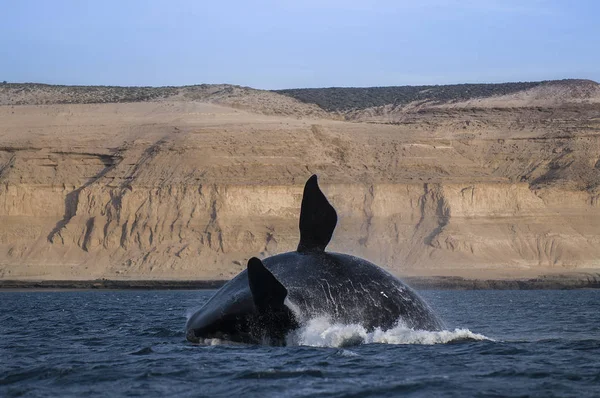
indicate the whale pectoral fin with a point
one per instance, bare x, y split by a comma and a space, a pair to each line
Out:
267, 292
317, 218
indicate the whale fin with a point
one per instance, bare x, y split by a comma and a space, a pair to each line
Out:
317, 218
267, 292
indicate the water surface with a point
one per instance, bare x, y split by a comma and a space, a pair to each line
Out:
132, 343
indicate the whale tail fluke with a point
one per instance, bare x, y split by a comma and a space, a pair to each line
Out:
317, 218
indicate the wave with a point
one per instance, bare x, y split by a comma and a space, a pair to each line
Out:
321, 332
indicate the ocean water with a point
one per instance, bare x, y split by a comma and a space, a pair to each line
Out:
132, 343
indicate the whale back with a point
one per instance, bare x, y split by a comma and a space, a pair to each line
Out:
342, 288
349, 290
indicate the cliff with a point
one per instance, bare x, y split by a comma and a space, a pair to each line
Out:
181, 188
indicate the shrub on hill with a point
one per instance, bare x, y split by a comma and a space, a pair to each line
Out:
341, 99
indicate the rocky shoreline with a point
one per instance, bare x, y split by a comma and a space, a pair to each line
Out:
108, 284
544, 282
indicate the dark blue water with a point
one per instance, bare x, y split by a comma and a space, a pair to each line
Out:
131, 343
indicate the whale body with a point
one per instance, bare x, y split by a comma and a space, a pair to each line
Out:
272, 297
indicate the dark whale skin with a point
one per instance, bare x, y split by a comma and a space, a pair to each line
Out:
347, 289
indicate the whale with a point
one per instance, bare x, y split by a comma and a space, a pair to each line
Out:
277, 295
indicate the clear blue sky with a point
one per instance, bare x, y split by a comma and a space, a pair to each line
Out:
297, 43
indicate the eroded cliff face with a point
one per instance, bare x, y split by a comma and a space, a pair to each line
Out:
193, 191
211, 231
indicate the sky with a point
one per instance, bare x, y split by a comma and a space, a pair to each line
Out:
297, 43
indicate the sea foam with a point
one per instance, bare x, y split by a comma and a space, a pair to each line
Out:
321, 332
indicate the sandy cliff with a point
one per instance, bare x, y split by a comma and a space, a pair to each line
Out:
190, 188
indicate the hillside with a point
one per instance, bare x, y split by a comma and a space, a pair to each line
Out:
259, 101
189, 184
346, 99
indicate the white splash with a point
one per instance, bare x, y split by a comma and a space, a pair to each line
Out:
321, 332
